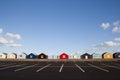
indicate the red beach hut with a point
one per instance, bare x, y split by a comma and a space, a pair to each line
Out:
64, 56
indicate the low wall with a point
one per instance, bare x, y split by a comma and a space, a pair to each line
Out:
59, 60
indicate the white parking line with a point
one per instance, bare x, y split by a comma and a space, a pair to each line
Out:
25, 67
112, 66
7, 64
61, 68
11, 66
98, 68
43, 68
80, 68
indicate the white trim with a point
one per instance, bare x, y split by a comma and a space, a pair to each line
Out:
25, 67
80, 68
43, 68
61, 68
98, 67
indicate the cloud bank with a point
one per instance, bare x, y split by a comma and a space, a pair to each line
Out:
1, 30
105, 25
107, 44
9, 39
115, 26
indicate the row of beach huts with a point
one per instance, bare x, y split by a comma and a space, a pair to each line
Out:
106, 55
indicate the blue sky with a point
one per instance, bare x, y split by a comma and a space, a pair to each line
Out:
56, 26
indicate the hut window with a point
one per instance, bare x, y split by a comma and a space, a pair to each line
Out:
30, 56
20, 55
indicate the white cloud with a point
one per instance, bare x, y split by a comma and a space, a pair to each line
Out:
116, 27
9, 39
110, 44
117, 39
3, 40
15, 45
105, 45
116, 24
12, 36
1, 30
105, 25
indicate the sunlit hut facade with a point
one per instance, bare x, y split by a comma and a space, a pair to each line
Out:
42, 56
116, 55
107, 55
96, 56
3, 55
11, 56
21, 56
64, 56
86, 56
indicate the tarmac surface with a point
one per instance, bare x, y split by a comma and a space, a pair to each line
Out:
60, 70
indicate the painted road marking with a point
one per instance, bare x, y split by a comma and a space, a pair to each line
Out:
111, 66
11, 67
61, 68
99, 68
6, 65
80, 68
43, 68
25, 67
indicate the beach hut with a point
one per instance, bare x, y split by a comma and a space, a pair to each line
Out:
116, 55
31, 56
63, 56
107, 55
3, 55
53, 57
11, 56
96, 56
21, 56
86, 56
75, 56
42, 56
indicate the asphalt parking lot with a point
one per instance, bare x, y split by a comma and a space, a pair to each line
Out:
70, 70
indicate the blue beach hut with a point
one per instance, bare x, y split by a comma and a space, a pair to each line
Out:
31, 56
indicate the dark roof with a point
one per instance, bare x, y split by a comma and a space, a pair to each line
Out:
42, 54
63, 54
85, 54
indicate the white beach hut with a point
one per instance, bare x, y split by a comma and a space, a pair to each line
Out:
21, 56
97, 56
11, 56
3, 55
75, 56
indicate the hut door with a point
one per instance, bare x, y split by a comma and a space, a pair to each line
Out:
86, 57
64, 56
42, 56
